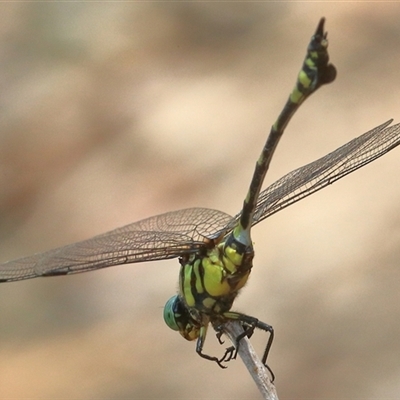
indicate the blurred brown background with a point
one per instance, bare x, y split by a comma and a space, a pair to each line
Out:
112, 112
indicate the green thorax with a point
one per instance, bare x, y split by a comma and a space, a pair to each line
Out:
210, 280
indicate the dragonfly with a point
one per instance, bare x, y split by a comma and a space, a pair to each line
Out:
215, 249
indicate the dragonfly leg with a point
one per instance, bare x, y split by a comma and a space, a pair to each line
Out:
219, 334
231, 352
270, 329
200, 344
249, 330
249, 324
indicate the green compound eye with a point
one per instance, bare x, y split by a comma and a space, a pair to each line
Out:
169, 313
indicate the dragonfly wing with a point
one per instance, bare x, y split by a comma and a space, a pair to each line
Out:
312, 177
156, 238
196, 223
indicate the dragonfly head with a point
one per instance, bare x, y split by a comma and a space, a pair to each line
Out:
178, 318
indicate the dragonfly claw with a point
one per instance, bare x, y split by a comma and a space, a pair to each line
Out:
219, 335
230, 354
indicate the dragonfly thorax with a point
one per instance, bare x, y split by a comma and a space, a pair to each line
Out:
209, 282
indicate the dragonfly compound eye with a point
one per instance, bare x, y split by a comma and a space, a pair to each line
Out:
170, 310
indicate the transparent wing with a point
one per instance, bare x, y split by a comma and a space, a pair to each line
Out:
160, 237
173, 234
312, 177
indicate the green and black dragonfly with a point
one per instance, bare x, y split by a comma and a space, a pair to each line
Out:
215, 250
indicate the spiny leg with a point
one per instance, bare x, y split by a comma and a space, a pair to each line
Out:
200, 344
232, 351
249, 324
